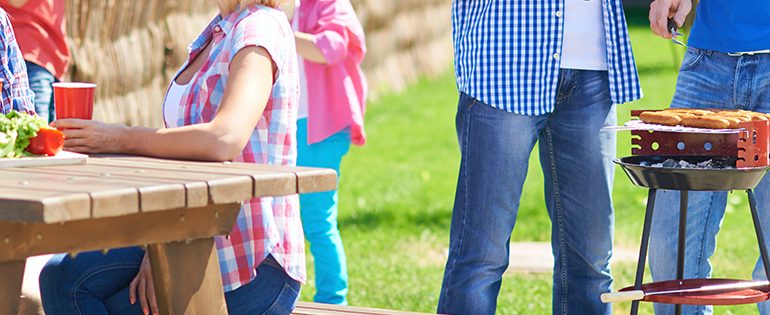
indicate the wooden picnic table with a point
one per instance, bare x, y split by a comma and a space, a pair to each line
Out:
173, 207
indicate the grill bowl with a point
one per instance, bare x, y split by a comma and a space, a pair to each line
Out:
711, 179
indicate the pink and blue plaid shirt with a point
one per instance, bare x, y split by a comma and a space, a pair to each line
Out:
268, 225
16, 92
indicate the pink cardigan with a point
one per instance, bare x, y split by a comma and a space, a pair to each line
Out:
336, 90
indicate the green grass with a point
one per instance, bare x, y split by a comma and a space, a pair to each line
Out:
396, 197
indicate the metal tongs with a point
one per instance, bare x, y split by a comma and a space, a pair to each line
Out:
675, 33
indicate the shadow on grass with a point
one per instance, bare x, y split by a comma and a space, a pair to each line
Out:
413, 220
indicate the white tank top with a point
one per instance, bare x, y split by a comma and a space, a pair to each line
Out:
584, 46
172, 103
303, 101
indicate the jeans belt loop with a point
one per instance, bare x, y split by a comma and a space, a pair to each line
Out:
749, 53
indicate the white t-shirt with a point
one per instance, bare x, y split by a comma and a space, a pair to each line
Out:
584, 46
303, 101
172, 103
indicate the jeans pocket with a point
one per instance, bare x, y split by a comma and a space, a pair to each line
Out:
466, 102
692, 58
285, 301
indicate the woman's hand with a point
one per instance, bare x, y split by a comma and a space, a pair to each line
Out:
143, 285
90, 136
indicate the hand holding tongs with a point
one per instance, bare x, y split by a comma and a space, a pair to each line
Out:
675, 33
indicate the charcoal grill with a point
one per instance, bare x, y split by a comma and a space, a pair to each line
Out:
745, 149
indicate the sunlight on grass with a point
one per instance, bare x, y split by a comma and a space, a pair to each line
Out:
396, 196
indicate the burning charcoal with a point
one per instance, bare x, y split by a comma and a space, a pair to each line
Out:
644, 163
669, 163
706, 164
685, 164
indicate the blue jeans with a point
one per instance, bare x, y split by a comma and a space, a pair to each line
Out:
576, 159
319, 216
708, 79
93, 283
40, 81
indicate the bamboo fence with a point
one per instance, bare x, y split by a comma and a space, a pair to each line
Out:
131, 48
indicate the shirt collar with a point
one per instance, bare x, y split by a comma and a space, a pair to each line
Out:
218, 25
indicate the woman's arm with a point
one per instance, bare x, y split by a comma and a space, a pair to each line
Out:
246, 94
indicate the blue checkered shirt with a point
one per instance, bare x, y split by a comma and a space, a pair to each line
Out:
16, 93
507, 53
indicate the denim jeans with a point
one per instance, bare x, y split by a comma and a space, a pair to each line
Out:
319, 216
93, 283
709, 79
40, 81
576, 159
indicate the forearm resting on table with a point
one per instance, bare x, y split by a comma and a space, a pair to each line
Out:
222, 139
307, 48
205, 142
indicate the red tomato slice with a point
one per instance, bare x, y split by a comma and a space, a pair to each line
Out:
47, 142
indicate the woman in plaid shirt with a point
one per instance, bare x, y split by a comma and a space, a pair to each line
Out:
234, 99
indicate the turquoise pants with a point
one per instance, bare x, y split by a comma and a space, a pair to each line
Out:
319, 216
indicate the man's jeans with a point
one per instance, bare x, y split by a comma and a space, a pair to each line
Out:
709, 79
40, 81
576, 158
97, 284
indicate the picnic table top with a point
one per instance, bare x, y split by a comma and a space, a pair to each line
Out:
110, 186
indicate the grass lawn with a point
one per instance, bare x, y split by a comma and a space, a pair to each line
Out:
396, 196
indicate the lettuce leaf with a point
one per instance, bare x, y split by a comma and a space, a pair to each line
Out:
16, 128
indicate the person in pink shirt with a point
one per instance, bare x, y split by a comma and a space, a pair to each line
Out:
330, 45
41, 31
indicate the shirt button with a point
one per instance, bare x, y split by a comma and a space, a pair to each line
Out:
558, 13
556, 56
217, 29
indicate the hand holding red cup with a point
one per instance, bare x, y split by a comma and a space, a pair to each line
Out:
74, 100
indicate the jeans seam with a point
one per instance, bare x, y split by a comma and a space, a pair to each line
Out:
559, 221
463, 166
85, 278
276, 307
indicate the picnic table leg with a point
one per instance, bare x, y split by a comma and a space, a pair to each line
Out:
187, 278
11, 274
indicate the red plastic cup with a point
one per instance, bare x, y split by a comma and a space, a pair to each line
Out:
74, 99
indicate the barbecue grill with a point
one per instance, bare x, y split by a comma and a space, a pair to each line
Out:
742, 159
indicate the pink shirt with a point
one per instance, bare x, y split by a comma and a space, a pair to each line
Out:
337, 90
41, 30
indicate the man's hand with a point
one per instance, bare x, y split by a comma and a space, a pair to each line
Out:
662, 10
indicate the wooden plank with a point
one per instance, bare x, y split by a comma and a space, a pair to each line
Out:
11, 274
108, 197
33, 205
63, 158
308, 308
194, 185
265, 182
187, 278
20, 240
154, 194
308, 179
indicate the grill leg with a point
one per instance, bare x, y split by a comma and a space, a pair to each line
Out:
760, 233
682, 237
643, 248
